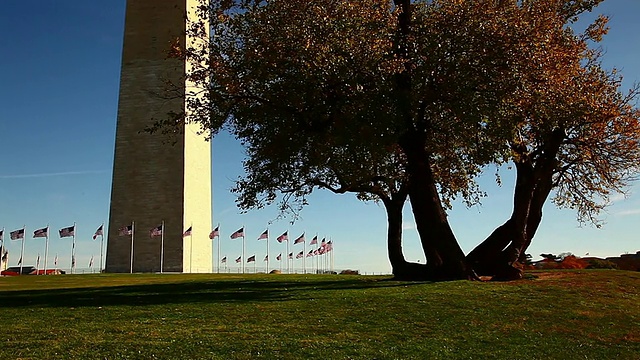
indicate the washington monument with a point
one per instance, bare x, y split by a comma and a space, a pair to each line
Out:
154, 182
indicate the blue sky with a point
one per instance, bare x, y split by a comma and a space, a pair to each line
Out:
60, 68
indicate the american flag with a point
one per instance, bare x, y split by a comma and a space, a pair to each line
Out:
290, 255
310, 253
44, 232
316, 252
187, 232
264, 235
300, 255
67, 232
251, 259
127, 230
266, 258
5, 255
299, 240
239, 259
224, 260
279, 257
98, 232
238, 233
1, 234
156, 231
38, 261
215, 232
329, 246
55, 261
20, 260
91, 261
17, 234
283, 237
314, 241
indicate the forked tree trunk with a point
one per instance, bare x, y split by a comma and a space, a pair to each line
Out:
496, 255
487, 257
540, 195
508, 243
402, 269
445, 258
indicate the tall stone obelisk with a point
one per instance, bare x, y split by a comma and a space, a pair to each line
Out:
157, 177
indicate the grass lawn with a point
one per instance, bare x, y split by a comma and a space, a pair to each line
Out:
586, 314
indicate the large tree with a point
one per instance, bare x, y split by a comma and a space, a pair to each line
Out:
316, 106
388, 100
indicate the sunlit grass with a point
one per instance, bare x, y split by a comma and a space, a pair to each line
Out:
569, 315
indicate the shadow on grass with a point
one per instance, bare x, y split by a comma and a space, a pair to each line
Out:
182, 292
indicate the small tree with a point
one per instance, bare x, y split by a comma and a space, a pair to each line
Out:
578, 137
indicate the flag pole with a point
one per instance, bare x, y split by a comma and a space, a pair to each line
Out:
332, 262
243, 231
3, 250
132, 231
219, 248
326, 259
267, 269
162, 249
46, 250
24, 236
191, 249
101, 245
288, 271
304, 255
321, 258
37, 259
73, 249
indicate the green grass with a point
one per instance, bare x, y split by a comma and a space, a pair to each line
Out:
557, 315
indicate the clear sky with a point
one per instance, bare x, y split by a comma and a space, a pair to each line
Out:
59, 78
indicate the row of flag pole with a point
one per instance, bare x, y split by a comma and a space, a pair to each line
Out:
69, 231
322, 247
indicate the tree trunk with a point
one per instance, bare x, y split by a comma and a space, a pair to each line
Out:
495, 256
402, 269
445, 258
540, 196
533, 186
486, 258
